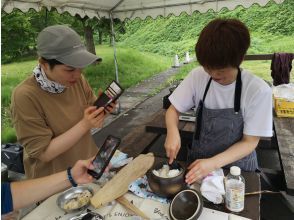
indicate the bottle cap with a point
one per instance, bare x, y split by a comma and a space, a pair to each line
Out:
234, 170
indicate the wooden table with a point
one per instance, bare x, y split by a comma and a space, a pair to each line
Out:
284, 130
136, 142
157, 125
252, 179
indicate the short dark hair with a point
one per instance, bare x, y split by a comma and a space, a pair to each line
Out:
52, 62
222, 43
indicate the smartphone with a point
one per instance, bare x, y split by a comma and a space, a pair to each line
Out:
112, 93
104, 156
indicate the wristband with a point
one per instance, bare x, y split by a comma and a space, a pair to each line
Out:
69, 176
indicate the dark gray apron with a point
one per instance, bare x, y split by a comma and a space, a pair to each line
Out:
217, 129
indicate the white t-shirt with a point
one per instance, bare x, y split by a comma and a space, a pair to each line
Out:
256, 99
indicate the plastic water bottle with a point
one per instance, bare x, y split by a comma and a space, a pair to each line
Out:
235, 190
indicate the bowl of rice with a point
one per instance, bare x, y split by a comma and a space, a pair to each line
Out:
75, 199
165, 179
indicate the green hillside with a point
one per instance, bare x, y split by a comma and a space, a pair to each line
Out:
271, 27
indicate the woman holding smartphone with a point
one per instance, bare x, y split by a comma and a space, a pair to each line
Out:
35, 190
53, 109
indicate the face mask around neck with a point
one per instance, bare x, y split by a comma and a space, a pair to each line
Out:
45, 83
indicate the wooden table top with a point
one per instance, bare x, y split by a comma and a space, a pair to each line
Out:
284, 129
157, 125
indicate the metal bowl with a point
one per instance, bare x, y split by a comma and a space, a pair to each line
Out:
187, 204
166, 187
70, 194
88, 216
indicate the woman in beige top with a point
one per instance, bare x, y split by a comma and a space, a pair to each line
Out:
53, 109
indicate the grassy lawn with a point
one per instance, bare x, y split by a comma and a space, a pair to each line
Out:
134, 66
262, 69
259, 68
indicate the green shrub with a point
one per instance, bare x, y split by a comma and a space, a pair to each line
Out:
175, 35
8, 135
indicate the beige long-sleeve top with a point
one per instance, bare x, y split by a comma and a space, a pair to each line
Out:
39, 116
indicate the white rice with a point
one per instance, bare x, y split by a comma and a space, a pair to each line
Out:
165, 172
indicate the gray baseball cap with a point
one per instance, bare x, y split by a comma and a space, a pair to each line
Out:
64, 44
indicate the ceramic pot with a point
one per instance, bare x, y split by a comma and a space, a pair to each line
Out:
166, 187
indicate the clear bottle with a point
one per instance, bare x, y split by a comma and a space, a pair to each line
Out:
235, 190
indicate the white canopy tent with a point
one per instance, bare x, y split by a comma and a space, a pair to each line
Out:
130, 9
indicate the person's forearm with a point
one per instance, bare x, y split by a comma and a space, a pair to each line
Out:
27, 192
171, 119
65, 141
237, 151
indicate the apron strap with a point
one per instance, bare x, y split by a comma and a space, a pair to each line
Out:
206, 89
238, 90
199, 112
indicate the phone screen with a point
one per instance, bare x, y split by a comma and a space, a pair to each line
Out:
104, 156
112, 92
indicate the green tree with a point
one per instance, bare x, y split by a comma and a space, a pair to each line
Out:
17, 35
20, 30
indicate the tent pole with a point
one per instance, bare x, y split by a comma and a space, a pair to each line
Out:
114, 48
114, 56
46, 17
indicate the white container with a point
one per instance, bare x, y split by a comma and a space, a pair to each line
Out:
235, 190
176, 61
187, 59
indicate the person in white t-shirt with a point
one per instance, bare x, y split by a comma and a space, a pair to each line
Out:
234, 107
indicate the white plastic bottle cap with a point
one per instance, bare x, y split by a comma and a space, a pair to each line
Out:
236, 171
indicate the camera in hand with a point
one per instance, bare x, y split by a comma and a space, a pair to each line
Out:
111, 94
104, 156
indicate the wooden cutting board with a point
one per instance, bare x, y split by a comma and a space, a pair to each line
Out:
119, 184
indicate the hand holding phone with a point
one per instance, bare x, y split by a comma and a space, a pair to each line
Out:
111, 94
104, 156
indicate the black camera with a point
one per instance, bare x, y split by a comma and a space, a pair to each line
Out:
12, 157
165, 101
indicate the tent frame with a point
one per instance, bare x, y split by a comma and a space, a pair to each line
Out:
118, 110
